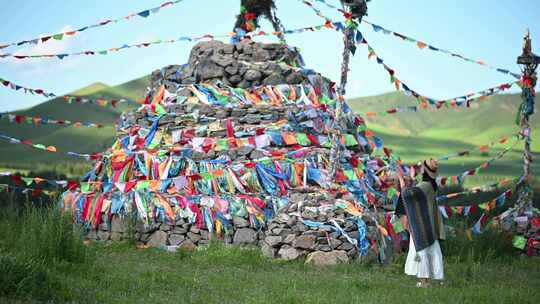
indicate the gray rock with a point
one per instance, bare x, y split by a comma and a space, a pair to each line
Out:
320, 258
165, 227
179, 230
228, 49
274, 79
232, 70
294, 78
325, 248
273, 240
207, 69
92, 235
268, 251
194, 237
289, 239
261, 55
301, 227
204, 242
158, 238
194, 229
245, 236
346, 246
244, 84
235, 79
282, 218
103, 235
116, 236
118, 224
305, 242
252, 75
240, 222
205, 235
222, 61
176, 239
288, 253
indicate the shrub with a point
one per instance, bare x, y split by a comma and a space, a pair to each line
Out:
26, 277
50, 236
35, 246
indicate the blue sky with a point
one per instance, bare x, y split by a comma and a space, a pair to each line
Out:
490, 30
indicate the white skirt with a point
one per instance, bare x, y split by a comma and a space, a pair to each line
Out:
430, 262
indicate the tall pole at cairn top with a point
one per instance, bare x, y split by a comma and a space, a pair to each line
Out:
354, 11
248, 19
528, 62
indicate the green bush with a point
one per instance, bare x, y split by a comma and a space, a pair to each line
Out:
49, 236
28, 278
36, 246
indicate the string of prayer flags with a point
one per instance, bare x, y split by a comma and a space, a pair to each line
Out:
420, 44
68, 98
19, 180
26, 90
38, 120
52, 149
100, 102
145, 44
460, 101
485, 188
458, 179
62, 35
33, 191
482, 148
423, 45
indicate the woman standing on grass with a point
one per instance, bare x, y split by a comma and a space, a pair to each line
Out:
424, 260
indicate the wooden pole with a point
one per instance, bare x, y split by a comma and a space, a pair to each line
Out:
529, 62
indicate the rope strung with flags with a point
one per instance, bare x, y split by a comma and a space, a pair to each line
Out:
458, 102
459, 179
424, 101
25, 90
145, 44
67, 98
52, 149
60, 36
481, 148
420, 44
39, 120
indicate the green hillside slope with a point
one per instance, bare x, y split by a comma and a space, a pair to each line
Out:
68, 138
427, 133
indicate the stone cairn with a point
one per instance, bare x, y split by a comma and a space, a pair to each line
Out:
203, 159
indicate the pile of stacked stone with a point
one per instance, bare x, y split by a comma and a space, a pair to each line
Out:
246, 64
175, 170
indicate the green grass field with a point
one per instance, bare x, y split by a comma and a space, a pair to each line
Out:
122, 274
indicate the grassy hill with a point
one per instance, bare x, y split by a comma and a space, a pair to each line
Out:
68, 138
413, 136
428, 133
